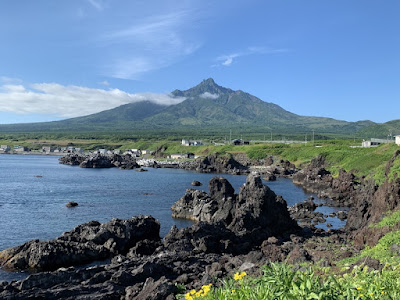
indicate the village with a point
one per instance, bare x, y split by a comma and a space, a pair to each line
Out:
51, 150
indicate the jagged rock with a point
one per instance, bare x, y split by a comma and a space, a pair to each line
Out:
255, 214
71, 204
269, 177
72, 159
100, 161
316, 179
85, 243
372, 204
196, 183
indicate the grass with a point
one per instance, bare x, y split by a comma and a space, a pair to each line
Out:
281, 281
390, 220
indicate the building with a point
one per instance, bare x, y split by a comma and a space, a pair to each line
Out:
240, 142
181, 156
191, 143
397, 140
4, 148
48, 149
374, 142
20, 149
147, 151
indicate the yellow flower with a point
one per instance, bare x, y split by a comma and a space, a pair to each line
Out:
238, 276
188, 296
359, 288
192, 292
361, 295
233, 291
371, 294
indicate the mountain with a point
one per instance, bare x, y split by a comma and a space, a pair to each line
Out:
207, 107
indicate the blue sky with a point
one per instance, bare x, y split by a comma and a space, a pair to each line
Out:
337, 58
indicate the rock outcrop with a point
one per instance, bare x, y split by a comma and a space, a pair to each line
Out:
86, 243
254, 214
372, 203
316, 179
240, 164
125, 162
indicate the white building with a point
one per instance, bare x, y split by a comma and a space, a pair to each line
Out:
374, 142
397, 139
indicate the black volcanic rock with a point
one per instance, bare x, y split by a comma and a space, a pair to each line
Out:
255, 213
95, 160
85, 243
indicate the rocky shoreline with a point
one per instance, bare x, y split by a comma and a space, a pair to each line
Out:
233, 232
239, 164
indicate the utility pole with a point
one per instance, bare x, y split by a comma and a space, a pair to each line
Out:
313, 137
230, 137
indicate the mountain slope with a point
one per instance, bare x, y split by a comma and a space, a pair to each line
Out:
208, 106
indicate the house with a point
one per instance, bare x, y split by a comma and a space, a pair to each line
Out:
189, 155
374, 142
191, 143
48, 149
70, 149
4, 148
176, 156
144, 152
185, 142
20, 149
397, 140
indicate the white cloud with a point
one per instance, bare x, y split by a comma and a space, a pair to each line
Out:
6, 79
227, 60
104, 82
207, 95
70, 101
154, 42
96, 4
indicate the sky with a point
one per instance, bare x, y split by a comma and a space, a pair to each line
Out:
68, 58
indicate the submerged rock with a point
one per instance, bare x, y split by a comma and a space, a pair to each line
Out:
71, 204
196, 183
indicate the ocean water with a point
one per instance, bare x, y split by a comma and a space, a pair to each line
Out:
35, 189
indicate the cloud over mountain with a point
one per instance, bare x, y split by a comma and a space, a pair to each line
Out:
70, 101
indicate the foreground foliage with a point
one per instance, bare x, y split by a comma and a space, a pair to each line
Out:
280, 281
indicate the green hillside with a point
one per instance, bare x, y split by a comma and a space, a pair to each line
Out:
209, 108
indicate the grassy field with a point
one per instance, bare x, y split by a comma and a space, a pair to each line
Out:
281, 281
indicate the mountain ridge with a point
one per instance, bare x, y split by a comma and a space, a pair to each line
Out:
206, 105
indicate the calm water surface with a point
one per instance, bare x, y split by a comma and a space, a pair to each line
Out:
35, 189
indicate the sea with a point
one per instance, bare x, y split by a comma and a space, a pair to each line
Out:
34, 190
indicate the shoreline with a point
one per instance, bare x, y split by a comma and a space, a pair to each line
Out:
35, 153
